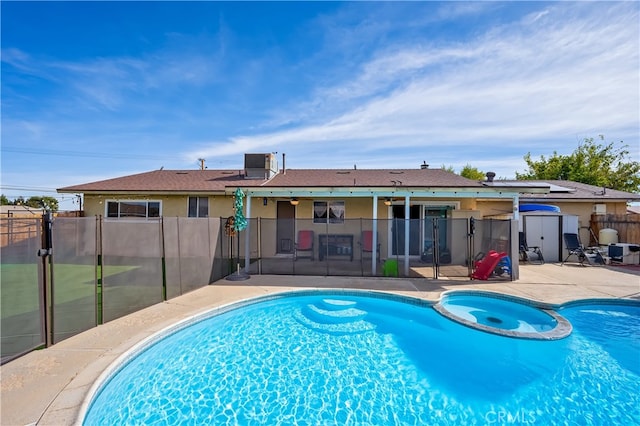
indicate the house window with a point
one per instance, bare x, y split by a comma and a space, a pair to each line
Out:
133, 209
328, 211
198, 207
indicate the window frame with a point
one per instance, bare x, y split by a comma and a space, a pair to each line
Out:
119, 213
334, 212
198, 205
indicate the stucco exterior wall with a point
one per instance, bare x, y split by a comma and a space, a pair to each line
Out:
222, 206
355, 208
172, 205
497, 209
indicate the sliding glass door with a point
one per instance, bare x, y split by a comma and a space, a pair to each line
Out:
427, 225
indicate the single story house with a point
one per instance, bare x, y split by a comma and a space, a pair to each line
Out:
322, 199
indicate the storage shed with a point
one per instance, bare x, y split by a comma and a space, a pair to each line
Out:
544, 225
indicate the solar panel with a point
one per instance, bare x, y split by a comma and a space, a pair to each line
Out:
557, 188
533, 184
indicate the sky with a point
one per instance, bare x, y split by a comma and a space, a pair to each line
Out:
97, 90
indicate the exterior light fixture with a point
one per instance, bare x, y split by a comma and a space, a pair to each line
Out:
387, 201
294, 201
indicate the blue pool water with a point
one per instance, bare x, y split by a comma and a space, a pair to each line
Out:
351, 359
494, 313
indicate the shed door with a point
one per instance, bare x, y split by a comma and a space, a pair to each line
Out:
285, 227
544, 232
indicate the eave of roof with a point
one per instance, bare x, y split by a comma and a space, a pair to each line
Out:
457, 192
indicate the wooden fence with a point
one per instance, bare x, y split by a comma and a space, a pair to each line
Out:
627, 225
14, 230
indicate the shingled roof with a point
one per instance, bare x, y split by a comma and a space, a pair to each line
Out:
168, 181
366, 178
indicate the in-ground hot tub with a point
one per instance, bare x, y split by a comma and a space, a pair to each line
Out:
504, 315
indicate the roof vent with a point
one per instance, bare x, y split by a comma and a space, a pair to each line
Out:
490, 176
424, 165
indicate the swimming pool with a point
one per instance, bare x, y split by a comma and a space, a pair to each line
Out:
368, 358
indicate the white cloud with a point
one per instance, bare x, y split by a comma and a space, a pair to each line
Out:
555, 73
562, 72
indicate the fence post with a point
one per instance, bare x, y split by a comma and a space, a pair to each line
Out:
163, 260
47, 278
471, 245
99, 272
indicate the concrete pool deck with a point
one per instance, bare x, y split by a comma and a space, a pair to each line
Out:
48, 387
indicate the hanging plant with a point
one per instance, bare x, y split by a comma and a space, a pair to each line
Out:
229, 227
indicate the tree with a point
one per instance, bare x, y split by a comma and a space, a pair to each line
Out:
593, 163
49, 203
472, 173
4, 201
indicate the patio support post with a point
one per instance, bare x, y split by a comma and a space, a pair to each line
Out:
407, 222
374, 252
515, 243
247, 239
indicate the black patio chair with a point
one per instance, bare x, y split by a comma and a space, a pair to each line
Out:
575, 248
528, 253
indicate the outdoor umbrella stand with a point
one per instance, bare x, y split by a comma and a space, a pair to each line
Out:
239, 224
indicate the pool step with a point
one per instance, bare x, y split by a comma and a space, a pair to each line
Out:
336, 304
353, 327
332, 316
335, 316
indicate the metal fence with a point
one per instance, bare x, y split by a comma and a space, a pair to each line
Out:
61, 276
21, 286
96, 271
436, 247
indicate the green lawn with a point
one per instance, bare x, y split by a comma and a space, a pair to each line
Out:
19, 291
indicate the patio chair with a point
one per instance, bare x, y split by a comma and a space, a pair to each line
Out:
575, 248
304, 244
529, 253
366, 245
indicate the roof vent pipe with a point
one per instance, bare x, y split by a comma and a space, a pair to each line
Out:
490, 176
284, 169
424, 165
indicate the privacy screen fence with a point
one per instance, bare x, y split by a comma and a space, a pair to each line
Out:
61, 276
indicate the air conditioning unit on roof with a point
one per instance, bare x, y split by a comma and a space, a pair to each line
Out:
260, 166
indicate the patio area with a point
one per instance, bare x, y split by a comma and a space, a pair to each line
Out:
354, 268
47, 387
